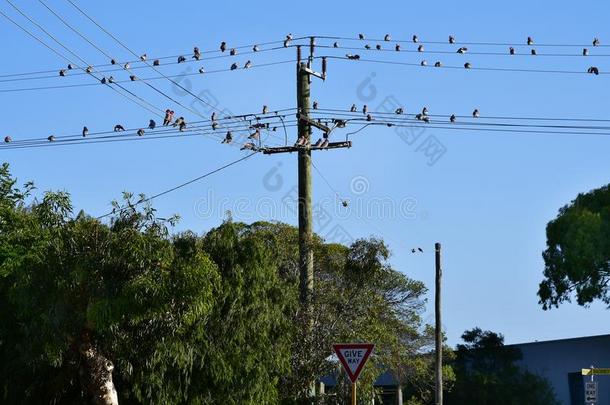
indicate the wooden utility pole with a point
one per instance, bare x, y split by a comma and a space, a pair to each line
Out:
305, 211
438, 333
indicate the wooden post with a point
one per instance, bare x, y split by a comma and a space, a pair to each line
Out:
438, 333
354, 393
305, 210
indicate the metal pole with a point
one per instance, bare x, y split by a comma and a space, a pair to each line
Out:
354, 393
438, 333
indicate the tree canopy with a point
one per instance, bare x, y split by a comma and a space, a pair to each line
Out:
487, 372
577, 258
124, 311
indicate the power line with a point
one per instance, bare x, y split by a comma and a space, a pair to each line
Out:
66, 86
420, 41
387, 62
170, 190
141, 102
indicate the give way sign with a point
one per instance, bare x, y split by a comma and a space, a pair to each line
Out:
353, 356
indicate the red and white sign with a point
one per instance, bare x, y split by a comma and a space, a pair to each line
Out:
353, 356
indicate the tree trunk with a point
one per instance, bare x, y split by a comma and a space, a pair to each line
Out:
96, 373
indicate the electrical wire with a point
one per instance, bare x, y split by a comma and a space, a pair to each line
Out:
67, 86
420, 41
493, 69
170, 190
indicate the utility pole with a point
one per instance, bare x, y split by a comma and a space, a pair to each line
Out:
305, 211
304, 147
438, 333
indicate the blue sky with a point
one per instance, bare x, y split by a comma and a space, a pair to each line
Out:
487, 200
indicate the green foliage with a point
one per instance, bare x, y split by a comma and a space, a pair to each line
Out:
487, 373
577, 258
189, 319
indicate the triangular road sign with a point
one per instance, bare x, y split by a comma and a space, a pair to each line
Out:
353, 356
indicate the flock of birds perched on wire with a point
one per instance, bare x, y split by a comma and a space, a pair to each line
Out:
180, 122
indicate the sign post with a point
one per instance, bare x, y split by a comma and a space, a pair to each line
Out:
353, 357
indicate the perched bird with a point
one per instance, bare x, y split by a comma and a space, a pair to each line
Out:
387, 37
424, 63
214, 125
126, 66
420, 250
399, 110
318, 143
365, 109
85, 131
585, 52
415, 38
289, 37
315, 105
181, 59
112, 62
367, 46
143, 57
511, 50
420, 48
369, 117
255, 135
352, 57
534, 52
360, 36
228, 138
223, 46
475, 113
255, 48
462, 50
62, 72
201, 70
378, 47
301, 141
595, 42
118, 128
196, 53
530, 41
438, 64
156, 62
234, 66
325, 143
353, 108
104, 80
51, 138
419, 117
178, 121
451, 39
213, 116
336, 45
111, 79
286, 43
7, 139
452, 118
89, 69
594, 70
133, 78
182, 126
248, 65
140, 132
397, 47
248, 146
467, 65
265, 109
152, 124
424, 111
233, 52
70, 66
